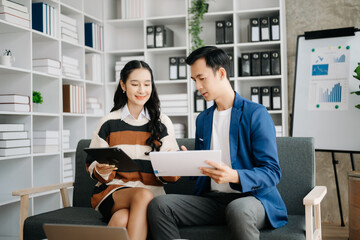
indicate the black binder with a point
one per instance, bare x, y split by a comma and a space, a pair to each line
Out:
265, 97
255, 94
220, 32
173, 68
255, 64
229, 32
275, 28
199, 102
276, 98
275, 63
164, 37
150, 36
265, 29
182, 74
254, 34
244, 62
231, 58
265, 63
113, 156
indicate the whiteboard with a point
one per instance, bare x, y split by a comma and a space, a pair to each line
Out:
323, 106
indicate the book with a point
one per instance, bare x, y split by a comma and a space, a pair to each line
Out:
45, 148
113, 156
14, 5
45, 134
14, 107
14, 143
65, 132
68, 26
14, 98
48, 69
67, 173
70, 61
4, 152
178, 103
67, 38
46, 62
68, 179
15, 19
177, 96
46, 141
13, 135
69, 20
12, 11
69, 33
11, 127
168, 110
66, 160
67, 167
94, 111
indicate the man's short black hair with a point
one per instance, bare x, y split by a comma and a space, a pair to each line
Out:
215, 58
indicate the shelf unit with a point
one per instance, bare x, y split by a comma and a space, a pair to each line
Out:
122, 37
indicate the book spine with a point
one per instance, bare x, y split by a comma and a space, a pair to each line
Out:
37, 16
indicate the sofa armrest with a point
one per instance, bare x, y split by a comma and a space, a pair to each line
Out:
313, 200
24, 199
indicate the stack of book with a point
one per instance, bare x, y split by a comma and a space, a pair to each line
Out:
94, 36
119, 65
68, 170
14, 12
47, 65
45, 141
13, 140
69, 29
278, 129
131, 9
73, 98
14, 103
70, 67
65, 139
93, 106
174, 103
44, 18
93, 67
179, 129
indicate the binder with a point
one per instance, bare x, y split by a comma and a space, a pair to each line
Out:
275, 28
265, 29
254, 30
182, 73
255, 64
265, 97
276, 98
265, 63
39, 16
89, 35
275, 63
220, 32
231, 58
229, 32
199, 102
255, 94
173, 68
150, 36
245, 65
164, 37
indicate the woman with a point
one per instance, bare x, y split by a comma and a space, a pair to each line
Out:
136, 125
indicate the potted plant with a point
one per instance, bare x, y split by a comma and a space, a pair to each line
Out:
37, 99
357, 76
7, 58
197, 10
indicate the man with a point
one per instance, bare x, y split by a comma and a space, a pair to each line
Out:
241, 192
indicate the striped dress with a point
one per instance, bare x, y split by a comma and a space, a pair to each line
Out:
130, 135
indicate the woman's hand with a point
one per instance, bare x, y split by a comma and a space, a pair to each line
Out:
104, 169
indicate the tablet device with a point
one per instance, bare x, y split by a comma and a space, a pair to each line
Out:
183, 163
113, 156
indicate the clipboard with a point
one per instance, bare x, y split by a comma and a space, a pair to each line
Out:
113, 156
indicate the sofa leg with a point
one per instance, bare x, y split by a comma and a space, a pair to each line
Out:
24, 213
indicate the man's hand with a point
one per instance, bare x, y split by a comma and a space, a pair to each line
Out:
105, 168
221, 174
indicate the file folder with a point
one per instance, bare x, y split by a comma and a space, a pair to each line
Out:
254, 30
265, 63
220, 32
275, 63
255, 64
245, 65
199, 102
265, 29
275, 28
265, 97
150, 36
276, 98
255, 94
164, 36
182, 73
173, 68
231, 58
229, 32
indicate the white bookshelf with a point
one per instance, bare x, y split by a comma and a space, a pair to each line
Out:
122, 37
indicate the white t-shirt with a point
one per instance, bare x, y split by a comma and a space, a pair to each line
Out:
220, 141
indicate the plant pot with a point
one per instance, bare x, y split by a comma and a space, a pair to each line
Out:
7, 60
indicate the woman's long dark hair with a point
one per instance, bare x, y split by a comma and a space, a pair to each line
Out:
152, 105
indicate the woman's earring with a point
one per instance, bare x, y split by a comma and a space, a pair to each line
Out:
123, 91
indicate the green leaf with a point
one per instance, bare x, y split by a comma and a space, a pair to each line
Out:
357, 106
356, 92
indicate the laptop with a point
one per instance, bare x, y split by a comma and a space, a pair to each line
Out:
84, 232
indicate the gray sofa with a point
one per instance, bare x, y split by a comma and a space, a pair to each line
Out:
296, 157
